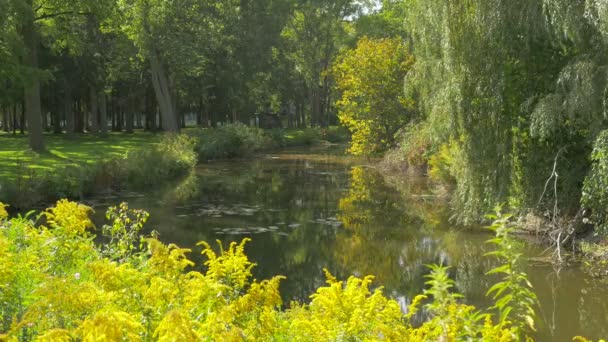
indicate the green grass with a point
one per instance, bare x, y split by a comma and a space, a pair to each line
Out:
62, 151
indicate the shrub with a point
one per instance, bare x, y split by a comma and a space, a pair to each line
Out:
414, 146
595, 186
56, 283
174, 156
230, 141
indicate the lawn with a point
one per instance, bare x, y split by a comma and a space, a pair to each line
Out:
63, 150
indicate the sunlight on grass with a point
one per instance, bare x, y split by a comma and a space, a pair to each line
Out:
63, 150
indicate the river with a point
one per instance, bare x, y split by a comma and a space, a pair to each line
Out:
313, 208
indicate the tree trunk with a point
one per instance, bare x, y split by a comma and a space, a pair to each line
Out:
33, 112
103, 113
68, 103
78, 117
22, 119
129, 116
163, 94
94, 110
14, 119
5, 119
302, 116
56, 115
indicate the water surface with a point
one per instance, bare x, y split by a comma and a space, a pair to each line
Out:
309, 210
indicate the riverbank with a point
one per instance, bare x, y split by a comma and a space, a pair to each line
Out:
80, 165
580, 243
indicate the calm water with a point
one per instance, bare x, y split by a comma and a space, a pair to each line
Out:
306, 210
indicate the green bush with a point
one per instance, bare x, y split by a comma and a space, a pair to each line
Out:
230, 141
414, 147
595, 186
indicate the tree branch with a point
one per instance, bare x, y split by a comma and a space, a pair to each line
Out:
58, 14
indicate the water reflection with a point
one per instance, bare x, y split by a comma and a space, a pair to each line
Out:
305, 212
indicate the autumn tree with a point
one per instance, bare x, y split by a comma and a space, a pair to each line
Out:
373, 106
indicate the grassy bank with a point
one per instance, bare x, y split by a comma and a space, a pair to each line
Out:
63, 151
75, 166
58, 284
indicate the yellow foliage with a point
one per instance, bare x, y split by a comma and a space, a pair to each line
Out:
71, 217
372, 106
110, 326
176, 326
231, 267
55, 335
148, 295
3, 212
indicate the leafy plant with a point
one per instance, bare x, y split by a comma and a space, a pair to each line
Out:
595, 186
513, 295
58, 283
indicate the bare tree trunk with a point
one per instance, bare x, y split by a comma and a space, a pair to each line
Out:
302, 116
33, 112
163, 94
14, 119
22, 119
103, 113
129, 116
56, 115
5, 119
78, 117
70, 124
93, 110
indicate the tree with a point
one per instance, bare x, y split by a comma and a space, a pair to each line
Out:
373, 106
313, 37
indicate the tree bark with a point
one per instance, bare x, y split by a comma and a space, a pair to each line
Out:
33, 111
93, 110
130, 107
14, 119
68, 103
103, 113
163, 94
5, 119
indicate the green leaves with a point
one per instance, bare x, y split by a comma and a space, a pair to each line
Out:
372, 106
514, 299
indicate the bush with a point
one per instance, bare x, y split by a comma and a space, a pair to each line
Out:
595, 186
230, 141
56, 283
413, 149
173, 157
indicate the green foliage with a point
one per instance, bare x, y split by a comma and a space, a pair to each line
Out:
513, 295
124, 232
413, 146
516, 87
169, 158
57, 283
172, 157
230, 141
372, 106
595, 188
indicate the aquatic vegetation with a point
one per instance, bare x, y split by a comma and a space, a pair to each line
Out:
58, 283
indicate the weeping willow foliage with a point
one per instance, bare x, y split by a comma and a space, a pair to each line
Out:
520, 85
57, 284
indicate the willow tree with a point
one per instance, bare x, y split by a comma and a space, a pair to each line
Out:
478, 62
519, 88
